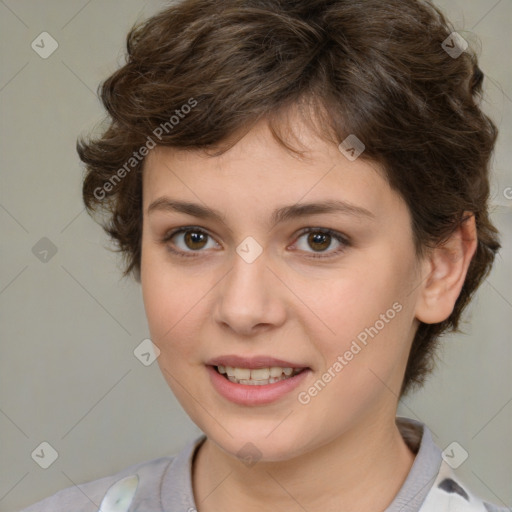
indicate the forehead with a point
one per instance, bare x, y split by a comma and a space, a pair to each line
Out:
258, 173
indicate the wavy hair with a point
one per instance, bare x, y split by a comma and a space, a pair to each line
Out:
374, 68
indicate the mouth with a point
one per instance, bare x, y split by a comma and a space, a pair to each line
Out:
255, 380
257, 376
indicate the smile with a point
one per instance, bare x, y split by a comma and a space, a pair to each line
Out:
257, 376
261, 386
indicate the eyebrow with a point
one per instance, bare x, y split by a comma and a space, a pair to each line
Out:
279, 215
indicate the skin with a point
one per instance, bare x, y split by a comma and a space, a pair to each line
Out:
295, 307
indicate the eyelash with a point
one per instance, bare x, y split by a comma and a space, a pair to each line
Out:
324, 231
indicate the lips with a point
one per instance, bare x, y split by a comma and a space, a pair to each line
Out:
263, 361
255, 395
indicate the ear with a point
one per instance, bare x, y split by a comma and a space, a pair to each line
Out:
445, 270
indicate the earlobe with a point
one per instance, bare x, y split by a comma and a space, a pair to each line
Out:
446, 267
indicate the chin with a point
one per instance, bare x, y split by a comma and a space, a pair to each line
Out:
252, 440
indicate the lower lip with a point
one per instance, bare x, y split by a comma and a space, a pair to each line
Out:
245, 394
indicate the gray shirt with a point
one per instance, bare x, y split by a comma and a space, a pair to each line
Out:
165, 483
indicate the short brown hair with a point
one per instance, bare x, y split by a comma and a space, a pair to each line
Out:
373, 68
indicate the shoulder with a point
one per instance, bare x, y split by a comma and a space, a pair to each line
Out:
87, 497
449, 492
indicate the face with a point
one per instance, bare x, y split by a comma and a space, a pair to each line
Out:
270, 282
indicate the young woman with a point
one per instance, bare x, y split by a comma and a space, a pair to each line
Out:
301, 188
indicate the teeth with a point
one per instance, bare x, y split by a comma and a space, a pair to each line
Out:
276, 371
257, 376
242, 373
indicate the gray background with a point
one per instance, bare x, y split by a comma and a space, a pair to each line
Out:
69, 325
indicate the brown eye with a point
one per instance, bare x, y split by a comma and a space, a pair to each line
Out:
187, 241
195, 240
320, 240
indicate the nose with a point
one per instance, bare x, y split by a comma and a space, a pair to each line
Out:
250, 298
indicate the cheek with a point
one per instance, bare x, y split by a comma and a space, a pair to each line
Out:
355, 296
365, 312
169, 302
363, 340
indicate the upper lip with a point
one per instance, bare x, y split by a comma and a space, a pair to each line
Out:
252, 362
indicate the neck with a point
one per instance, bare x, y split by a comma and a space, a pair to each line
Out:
336, 476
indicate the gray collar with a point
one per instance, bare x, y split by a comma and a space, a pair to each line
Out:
424, 469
